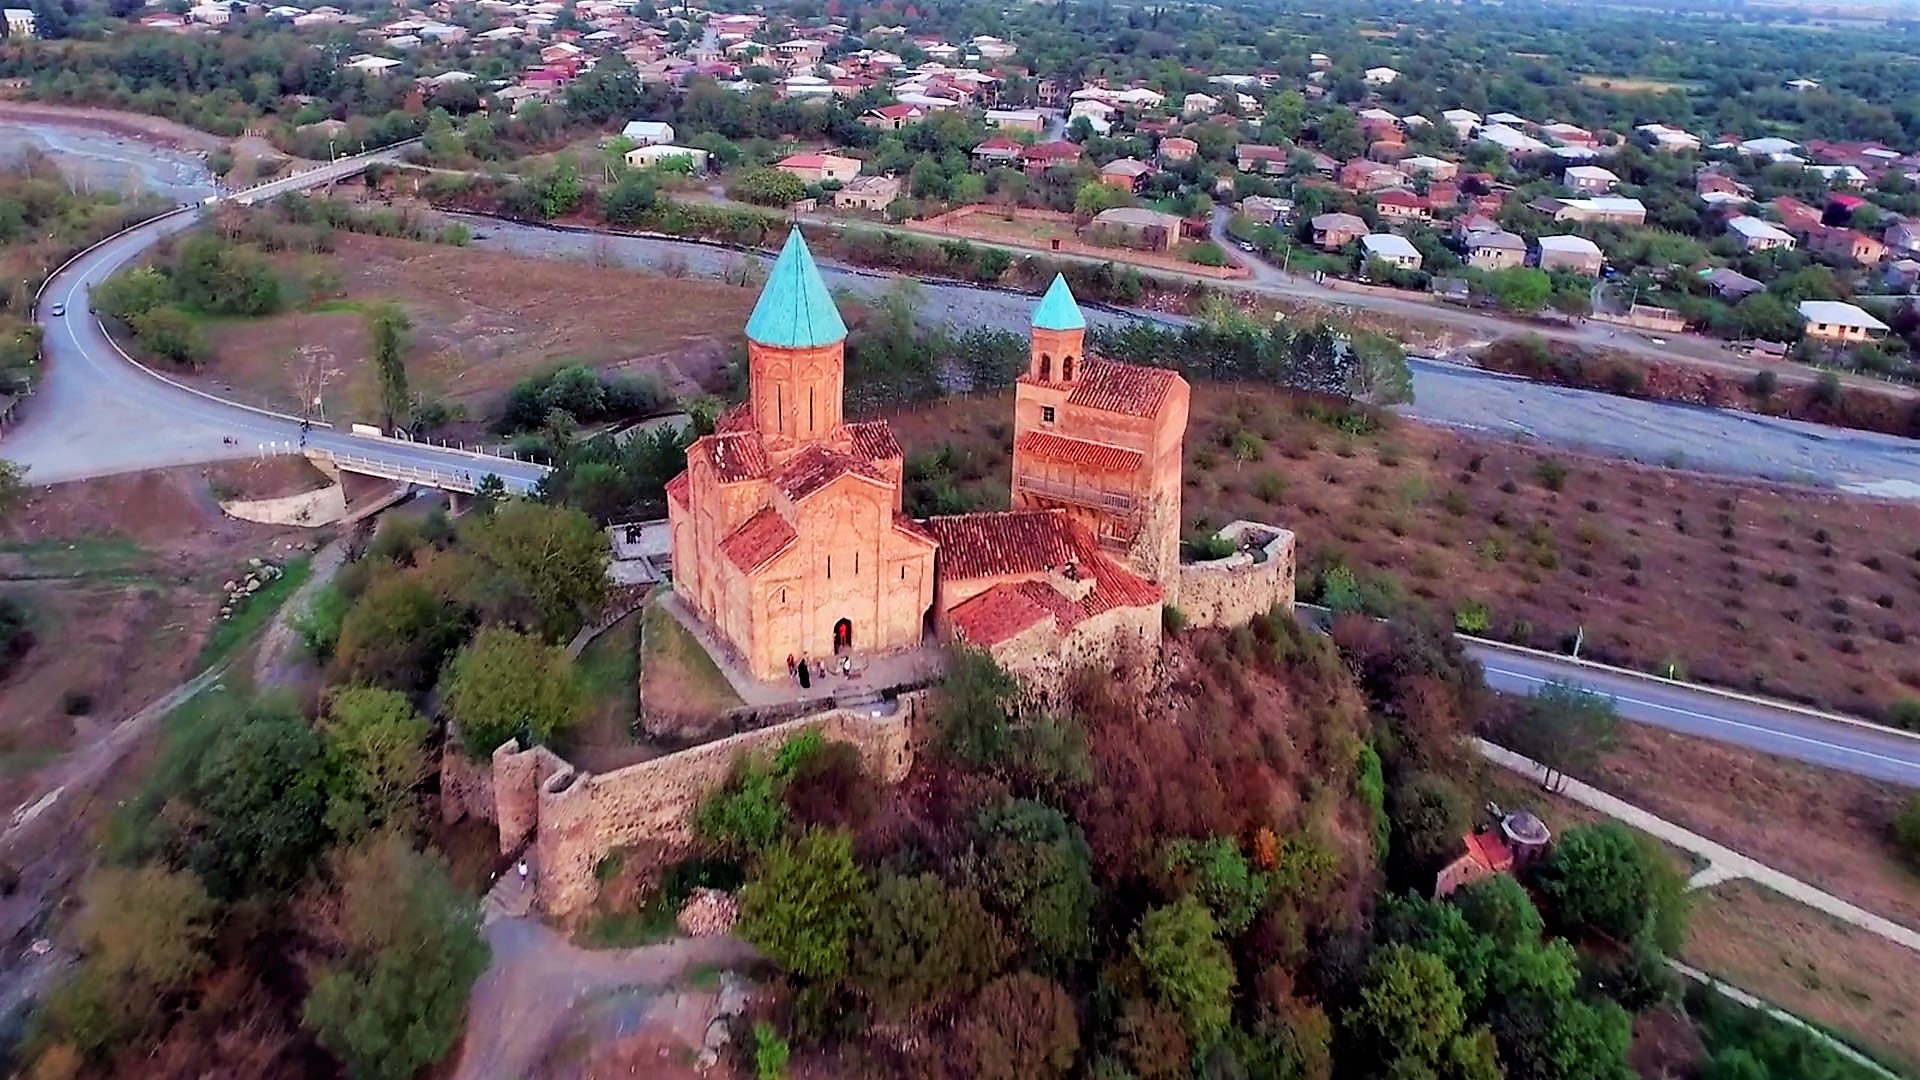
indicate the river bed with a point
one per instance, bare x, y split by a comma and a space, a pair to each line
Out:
98, 160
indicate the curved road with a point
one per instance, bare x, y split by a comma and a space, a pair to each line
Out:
97, 413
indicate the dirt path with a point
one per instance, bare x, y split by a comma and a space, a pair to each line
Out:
537, 980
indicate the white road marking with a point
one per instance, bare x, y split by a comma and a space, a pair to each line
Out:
1903, 763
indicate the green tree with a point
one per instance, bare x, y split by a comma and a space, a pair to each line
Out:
804, 902
1429, 815
1219, 875
628, 202
387, 327
923, 942
1766, 317
767, 187
1187, 968
1601, 879
168, 334
971, 719
1033, 867
377, 743
1094, 196
397, 634
544, 567
1410, 1019
408, 949
1021, 1027
506, 685
1564, 727
259, 796
1520, 288
1501, 909
1906, 830
13, 486
143, 934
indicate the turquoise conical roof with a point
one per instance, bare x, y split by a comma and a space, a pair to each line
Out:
1057, 310
795, 310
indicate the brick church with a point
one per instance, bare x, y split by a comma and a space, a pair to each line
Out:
789, 540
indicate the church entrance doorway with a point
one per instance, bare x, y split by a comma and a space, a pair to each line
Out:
843, 635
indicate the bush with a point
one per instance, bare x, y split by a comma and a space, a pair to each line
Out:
1551, 473
1905, 714
1472, 617
769, 1053
1906, 830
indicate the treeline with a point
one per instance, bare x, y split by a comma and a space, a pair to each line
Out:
203, 275
1125, 888
269, 904
44, 221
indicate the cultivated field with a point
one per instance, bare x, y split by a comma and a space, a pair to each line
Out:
481, 321
1785, 591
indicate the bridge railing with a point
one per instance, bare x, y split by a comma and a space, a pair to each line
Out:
446, 479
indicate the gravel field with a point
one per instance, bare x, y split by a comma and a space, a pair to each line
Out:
100, 159
1657, 433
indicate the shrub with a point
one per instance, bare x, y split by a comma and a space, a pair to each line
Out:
1472, 617
1551, 473
1905, 714
1906, 830
1021, 1027
1763, 384
769, 1052
804, 902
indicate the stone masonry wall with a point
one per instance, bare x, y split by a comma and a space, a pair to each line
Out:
466, 786
580, 817
1231, 591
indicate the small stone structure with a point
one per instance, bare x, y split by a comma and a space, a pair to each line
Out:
570, 819
1248, 583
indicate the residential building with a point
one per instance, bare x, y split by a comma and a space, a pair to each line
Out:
1126, 174
1731, 285
1589, 180
1380, 76
1331, 232
1399, 204
870, 193
1512, 140
1671, 140
1847, 246
659, 154
1575, 253
1568, 135
1904, 237
22, 23
1756, 234
1495, 249
1175, 148
998, 150
893, 117
648, 132
820, 168
1198, 104
1362, 176
1135, 227
1834, 321
1040, 157
1611, 209
1264, 160
1462, 121
1432, 168
1031, 120
1486, 856
1264, 210
1396, 251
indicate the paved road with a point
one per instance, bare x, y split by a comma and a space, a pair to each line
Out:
1835, 744
97, 413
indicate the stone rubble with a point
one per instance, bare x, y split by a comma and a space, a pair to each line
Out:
708, 913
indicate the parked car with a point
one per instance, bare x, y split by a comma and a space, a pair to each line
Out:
57, 310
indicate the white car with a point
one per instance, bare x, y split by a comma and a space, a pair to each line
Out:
57, 310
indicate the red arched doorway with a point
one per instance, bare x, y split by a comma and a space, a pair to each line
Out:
843, 635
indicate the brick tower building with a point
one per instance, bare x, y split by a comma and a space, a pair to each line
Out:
1100, 440
787, 533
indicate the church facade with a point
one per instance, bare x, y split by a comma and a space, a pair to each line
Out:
789, 540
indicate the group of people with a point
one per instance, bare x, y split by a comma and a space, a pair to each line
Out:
803, 671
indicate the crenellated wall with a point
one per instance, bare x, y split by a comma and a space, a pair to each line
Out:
573, 819
1233, 590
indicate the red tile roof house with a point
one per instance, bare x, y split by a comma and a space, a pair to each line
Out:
1401, 205
1254, 158
1796, 217
1040, 157
998, 150
1486, 854
893, 117
1175, 148
1126, 174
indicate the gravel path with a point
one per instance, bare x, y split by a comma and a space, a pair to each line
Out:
1656, 433
537, 978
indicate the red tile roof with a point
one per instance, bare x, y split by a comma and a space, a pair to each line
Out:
1005, 610
677, 488
1031, 542
735, 457
1122, 388
1091, 455
758, 539
1489, 850
873, 440
909, 527
816, 467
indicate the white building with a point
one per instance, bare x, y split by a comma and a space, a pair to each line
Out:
656, 154
1512, 140
1672, 140
21, 22
1380, 76
1758, 235
1199, 105
1396, 251
1832, 320
1462, 121
648, 132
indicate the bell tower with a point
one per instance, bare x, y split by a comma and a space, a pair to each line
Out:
1057, 352
796, 354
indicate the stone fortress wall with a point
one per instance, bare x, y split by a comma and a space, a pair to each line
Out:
1233, 590
569, 820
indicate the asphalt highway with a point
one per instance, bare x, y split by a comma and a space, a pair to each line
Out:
1834, 743
96, 413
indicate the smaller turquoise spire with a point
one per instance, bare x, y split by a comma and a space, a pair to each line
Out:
1057, 311
795, 311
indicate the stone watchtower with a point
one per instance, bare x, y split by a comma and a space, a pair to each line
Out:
1101, 440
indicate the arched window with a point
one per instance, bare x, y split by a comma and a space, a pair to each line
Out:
1066, 369
1046, 368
